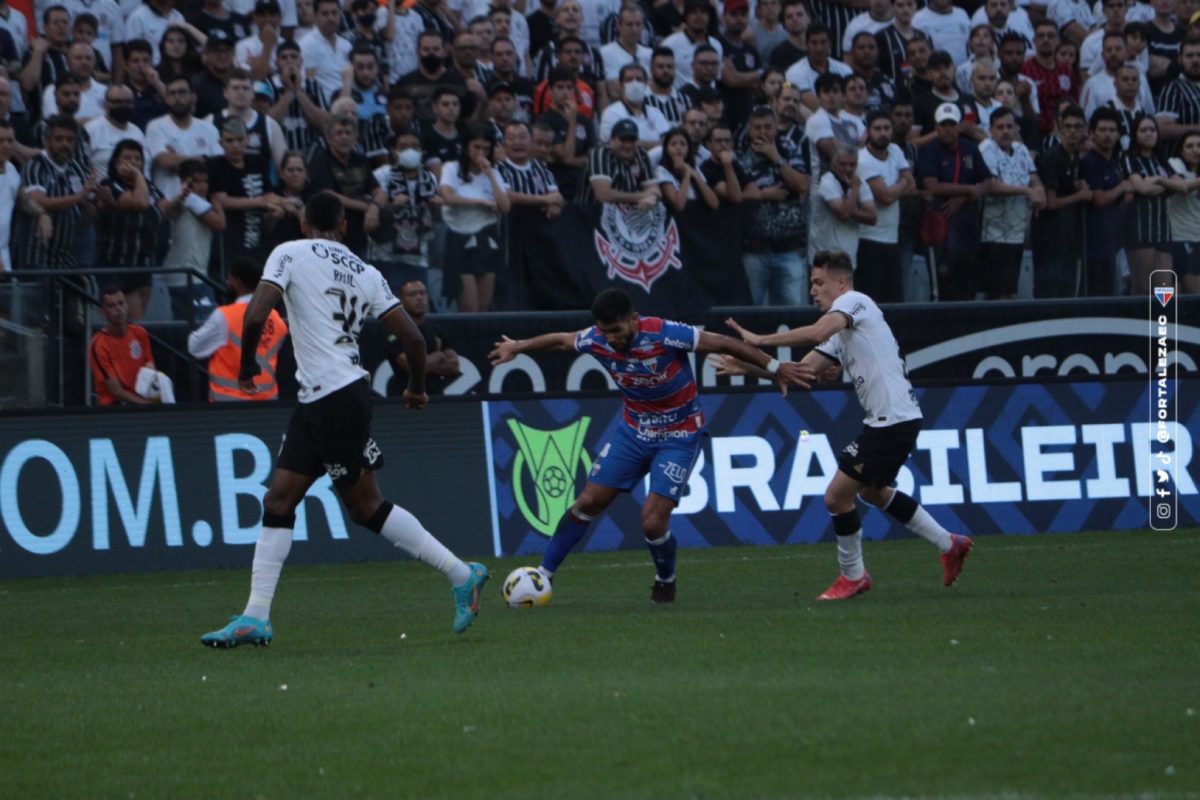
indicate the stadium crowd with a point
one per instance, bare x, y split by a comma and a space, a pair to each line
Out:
183, 134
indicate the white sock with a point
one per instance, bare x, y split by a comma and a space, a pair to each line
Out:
406, 532
850, 558
270, 552
924, 525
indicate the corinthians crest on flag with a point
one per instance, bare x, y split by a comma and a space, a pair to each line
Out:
636, 244
551, 459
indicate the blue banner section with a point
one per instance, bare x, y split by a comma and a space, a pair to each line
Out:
183, 488
990, 460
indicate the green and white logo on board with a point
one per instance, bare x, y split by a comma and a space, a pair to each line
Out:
552, 460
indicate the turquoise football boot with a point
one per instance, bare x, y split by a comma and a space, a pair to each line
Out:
466, 597
241, 630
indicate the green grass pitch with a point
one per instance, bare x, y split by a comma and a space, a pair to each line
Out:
1061, 667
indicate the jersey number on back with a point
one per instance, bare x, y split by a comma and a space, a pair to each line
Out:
348, 314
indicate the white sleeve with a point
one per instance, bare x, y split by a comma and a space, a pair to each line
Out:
209, 337
832, 348
49, 103
829, 188
241, 54
864, 193
278, 141
381, 300
156, 139
277, 269
818, 127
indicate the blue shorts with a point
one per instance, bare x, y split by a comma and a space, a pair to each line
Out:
625, 459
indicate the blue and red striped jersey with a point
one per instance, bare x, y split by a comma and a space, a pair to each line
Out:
654, 375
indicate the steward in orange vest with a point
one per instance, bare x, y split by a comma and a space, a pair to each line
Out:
221, 338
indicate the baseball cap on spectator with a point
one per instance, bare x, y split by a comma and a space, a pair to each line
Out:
940, 58
625, 130
947, 112
217, 37
499, 87
267, 7
264, 88
736, 5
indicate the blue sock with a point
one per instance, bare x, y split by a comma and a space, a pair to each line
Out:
571, 528
662, 551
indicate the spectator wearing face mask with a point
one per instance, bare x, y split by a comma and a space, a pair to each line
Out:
116, 125
400, 248
650, 122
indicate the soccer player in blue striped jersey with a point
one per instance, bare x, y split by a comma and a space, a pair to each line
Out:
647, 359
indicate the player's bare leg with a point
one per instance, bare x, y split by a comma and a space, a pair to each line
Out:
909, 513
253, 626
573, 526
840, 502
656, 524
367, 506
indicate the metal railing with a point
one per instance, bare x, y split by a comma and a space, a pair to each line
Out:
85, 284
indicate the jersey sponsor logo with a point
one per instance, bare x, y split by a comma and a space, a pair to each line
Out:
637, 245
676, 472
678, 344
338, 257
282, 266
851, 449
336, 471
549, 460
135, 349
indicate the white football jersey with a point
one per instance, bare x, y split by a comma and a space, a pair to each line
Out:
329, 292
868, 352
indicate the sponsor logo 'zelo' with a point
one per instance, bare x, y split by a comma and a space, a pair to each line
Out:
637, 245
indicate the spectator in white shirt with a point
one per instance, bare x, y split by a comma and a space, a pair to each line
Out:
844, 203
1102, 87
106, 131
151, 21
256, 53
323, 50
878, 16
948, 26
1015, 189
887, 173
1003, 16
804, 73
632, 105
697, 14
982, 47
81, 60
627, 48
830, 124
177, 137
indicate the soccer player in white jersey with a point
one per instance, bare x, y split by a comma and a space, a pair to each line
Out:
853, 335
328, 292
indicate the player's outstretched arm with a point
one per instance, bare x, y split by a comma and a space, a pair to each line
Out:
763, 364
507, 349
807, 335
266, 296
400, 323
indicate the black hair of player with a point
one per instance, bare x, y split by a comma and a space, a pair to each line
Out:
834, 262
324, 212
611, 305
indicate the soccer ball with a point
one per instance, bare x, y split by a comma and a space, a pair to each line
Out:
526, 587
